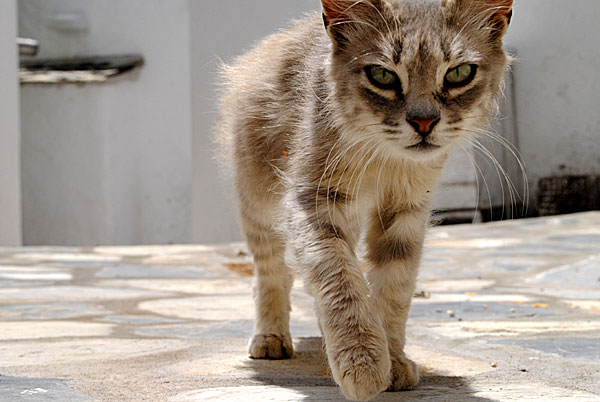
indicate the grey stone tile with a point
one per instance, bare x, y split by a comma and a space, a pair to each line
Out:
561, 293
16, 284
450, 271
38, 390
49, 311
585, 274
476, 311
39, 249
138, 319
74, 293
572, 348
190, 318
124, 271
576, 239
530, 250
79, 264
429, 260
205, 330
511, 264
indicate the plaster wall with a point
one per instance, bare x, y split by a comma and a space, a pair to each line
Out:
10, 187
131, 161
221, 31
556, 86
109, 163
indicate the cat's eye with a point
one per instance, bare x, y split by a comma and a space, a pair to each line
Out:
382, 78
460, 76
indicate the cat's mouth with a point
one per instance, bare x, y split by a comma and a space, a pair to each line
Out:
424, 146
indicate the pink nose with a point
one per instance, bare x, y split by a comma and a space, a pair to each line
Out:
423, 126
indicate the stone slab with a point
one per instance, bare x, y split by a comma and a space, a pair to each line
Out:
49, 311
580, 349
506, 311
38, 390
17, 330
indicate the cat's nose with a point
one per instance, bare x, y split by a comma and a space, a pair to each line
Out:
423, 126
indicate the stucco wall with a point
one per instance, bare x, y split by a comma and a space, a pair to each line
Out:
557, 89
109, 163
132, 161
10, 189
221, 31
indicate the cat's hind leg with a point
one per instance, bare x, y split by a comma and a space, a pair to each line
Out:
273, 282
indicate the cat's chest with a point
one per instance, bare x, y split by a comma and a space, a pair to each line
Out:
405, 186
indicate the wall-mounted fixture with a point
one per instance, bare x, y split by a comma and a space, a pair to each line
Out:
28, 47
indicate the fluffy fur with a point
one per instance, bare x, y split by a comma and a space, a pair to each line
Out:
321, 156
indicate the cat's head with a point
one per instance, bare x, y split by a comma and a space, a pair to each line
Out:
415, 76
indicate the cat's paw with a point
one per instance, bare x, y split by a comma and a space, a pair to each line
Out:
405, 374
271, 346
363, 373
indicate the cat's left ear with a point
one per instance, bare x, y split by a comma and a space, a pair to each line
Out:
495, 14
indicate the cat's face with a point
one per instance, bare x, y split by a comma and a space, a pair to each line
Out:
414, 77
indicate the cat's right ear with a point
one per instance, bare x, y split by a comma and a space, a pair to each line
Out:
340, 16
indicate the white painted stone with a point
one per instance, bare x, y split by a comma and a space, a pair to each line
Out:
15, 272
141, 251
455, 285
592, 305
456, 297
66, 257
15, 330
473, 329
531, 393
472, 243
494, 392
259, 393
431, 361
194, 286
51, 276
27, 353
213, 308
72, 293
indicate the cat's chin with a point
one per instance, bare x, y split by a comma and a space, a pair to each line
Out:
422, 152
424, 147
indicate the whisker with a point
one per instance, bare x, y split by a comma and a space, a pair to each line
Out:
480, 174
512, 149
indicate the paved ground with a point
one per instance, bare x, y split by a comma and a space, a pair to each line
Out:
505, 312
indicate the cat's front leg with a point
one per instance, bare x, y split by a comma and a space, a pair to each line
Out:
394, 242
354, 338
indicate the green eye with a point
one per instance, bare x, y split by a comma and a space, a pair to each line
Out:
460, 76
382, 78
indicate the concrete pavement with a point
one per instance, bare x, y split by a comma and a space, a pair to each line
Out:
506, 311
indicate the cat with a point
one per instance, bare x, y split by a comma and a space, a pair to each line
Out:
336, 130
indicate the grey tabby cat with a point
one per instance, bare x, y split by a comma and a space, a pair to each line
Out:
337, 129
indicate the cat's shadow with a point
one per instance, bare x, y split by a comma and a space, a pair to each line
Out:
307, 378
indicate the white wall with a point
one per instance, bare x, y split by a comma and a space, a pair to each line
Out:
557, 86
222, 30
555, 82
10, 187
116, 165
109, 163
